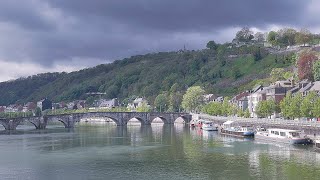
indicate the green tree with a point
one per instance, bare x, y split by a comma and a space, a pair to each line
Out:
244, 35
213, 108
304, 36
316, 70
316, 108
144, 107
246, 113
277, 74
38, 111
295, 106
212, 45
288, 75
285, 105
161, 103
193, 99
307, 104
266, 108
272, 38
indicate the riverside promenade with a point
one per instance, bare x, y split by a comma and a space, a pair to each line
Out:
311, 128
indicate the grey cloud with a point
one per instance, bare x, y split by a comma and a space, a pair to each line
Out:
113, 29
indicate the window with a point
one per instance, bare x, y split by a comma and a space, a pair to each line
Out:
276, 132
282, 134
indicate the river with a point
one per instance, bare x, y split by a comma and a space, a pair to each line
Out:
104, 151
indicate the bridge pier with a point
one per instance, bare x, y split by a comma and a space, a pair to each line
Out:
10, 124
39, 122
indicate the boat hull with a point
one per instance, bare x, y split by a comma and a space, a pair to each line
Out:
284, 140
209, 128
237, 133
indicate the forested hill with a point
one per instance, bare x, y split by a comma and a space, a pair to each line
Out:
222, 70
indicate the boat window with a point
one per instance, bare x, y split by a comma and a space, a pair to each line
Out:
295, 134
276, 132
282, 134
272, 132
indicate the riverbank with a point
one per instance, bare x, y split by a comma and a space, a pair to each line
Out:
310, 128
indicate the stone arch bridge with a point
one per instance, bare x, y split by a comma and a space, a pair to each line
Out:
120, 118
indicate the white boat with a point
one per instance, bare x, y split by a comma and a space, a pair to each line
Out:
317, 143
209, 126
230, 128
283, 135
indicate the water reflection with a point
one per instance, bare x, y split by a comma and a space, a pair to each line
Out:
105, 151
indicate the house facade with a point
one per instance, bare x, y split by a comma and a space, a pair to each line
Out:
44, 104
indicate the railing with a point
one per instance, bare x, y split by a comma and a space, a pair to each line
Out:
264, 121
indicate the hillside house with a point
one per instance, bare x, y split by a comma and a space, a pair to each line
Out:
44, 104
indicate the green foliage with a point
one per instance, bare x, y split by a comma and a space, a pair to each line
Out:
291, 106
7, 115
212, 45
272, 38
144, 107
161, 103
38, 111
316, 70
277, 74
307, 104
193, 99
288, 75
266, 108
246, 113
244, 35
222, 109
148, 76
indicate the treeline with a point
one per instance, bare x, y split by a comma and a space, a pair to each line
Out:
283, 37
224, 108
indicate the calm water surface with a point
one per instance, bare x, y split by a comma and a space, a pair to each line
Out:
104, 151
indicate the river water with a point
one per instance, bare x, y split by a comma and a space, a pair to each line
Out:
104, 151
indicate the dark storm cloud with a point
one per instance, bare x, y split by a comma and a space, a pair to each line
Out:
186, 15
57, 31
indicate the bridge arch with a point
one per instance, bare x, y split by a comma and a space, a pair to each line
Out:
113, 119
163, 119
140, 119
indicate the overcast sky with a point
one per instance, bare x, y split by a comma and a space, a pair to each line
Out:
65, 35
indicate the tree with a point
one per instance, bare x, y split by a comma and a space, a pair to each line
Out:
286, 36
272, 38
266, 108
285, 105
247, 113
193, 99
38, 111
316, 70
259, 36
144, 107
244, 35
212, 45
288, 75
295, 106
307, 104
277, 74
316, 108
213, 108
161, 103
304, 36
305, 65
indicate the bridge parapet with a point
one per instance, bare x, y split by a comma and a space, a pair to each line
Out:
120, 118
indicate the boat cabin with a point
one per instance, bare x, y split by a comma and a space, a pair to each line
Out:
285, 133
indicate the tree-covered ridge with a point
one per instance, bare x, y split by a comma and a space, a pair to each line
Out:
222, 69
219, 71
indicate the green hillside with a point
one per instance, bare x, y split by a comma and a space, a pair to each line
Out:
223, 71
